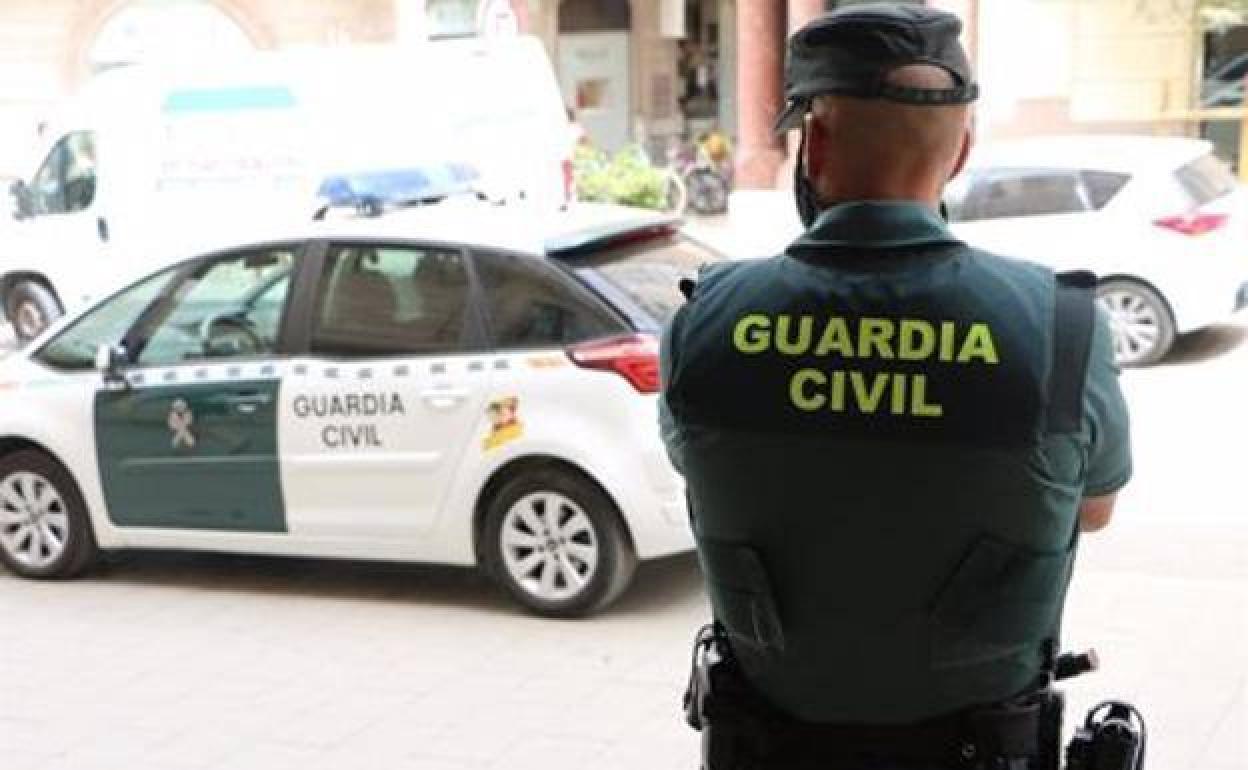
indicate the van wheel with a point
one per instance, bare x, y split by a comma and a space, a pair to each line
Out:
44, 528
30, 307
1139, 319
556, 544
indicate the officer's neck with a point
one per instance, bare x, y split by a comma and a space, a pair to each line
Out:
925, 192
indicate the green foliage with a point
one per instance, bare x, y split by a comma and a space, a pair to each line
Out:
627, 178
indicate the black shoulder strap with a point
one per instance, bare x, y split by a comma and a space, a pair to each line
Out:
1074, 320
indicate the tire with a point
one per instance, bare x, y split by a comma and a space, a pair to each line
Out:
589, 541
45, 532
1140, 321
30, 307
708, 192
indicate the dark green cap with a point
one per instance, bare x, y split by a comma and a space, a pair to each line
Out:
852, 50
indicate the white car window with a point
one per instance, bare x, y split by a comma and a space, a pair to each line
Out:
389, 301
999, 194
231, 307
529, 305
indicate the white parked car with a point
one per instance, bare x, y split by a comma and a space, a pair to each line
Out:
1161, 221
459, 384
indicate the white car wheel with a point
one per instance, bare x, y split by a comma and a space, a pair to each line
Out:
555, 542
549, 546
1139, 320
44, 531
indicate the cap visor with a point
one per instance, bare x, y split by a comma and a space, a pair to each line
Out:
790, 118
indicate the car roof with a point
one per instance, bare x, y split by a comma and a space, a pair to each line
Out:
468, 222
1099, 152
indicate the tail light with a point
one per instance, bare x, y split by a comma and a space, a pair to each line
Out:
634, 357
569, 181
1193, 224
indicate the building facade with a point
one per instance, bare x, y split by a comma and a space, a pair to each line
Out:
648, 71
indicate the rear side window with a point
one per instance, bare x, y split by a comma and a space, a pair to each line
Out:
647, 275
379, 300
530, 304
1205, 179
1102, 186
1023, 193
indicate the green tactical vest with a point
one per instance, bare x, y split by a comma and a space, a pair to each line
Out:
884, 460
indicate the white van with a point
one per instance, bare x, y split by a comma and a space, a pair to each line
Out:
148, 160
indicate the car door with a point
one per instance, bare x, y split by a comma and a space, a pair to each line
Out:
376, 417
190, 441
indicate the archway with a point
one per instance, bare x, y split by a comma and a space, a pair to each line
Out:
594, 61
147, 30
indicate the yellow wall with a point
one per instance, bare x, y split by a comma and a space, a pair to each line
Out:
1086, 65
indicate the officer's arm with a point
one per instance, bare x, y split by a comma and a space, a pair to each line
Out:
1109, 455
667, 364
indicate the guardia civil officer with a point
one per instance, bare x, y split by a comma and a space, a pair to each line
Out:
891, 439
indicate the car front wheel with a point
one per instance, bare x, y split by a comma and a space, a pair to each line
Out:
44, 528
556, 543
1140, 321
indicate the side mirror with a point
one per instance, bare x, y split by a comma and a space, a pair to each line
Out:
23, 206
109, 360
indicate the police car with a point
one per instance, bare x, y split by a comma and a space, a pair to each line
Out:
457, 384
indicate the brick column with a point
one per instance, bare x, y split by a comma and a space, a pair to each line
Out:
760, 63
521, 9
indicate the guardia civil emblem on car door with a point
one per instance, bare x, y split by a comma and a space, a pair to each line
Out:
180, 420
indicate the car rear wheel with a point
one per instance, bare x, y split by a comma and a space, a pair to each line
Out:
1140, 321
44, 528
556, 543
30, 307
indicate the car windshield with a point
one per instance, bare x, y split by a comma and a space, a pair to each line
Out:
75, 347
646, 275
1205, 179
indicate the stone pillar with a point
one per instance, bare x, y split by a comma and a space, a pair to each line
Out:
760, 63
800, 12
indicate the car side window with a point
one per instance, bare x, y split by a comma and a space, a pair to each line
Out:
1102, 186
1024, 193
531, 305
226, 308
391, 300
65, 183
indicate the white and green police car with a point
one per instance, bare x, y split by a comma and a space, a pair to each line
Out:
465, 385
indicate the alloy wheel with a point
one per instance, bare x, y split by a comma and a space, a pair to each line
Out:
1136, 325
34, 521
549, 546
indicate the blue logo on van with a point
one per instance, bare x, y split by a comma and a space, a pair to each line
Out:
225, 99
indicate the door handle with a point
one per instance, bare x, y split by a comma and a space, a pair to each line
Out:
444, 398
101, 227
247, 403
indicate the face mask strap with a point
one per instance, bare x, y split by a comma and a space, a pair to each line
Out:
803, 191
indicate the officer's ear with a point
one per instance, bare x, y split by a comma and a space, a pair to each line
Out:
816, 143
964, 152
